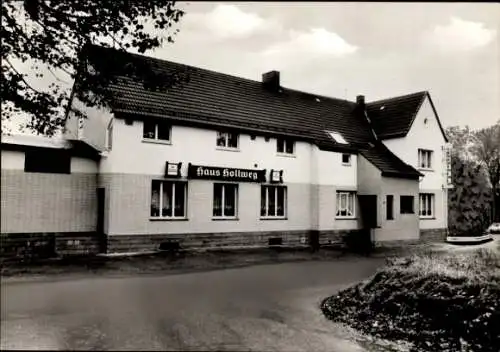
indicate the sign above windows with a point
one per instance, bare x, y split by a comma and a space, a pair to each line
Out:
226, 173
276, 176
173, 169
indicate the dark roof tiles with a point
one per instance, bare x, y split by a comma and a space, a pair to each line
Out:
219, 98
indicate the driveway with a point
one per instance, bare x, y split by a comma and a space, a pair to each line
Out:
259, 308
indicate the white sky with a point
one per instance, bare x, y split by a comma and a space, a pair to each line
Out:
341, 50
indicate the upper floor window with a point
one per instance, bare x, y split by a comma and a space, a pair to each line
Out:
273, 201
47, 160
227, 140
346, 159
345, 204
156, 130
425, 159
285, 146
168, 199
426, 205
406, 205
109, 136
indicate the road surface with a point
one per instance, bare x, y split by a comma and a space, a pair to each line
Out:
259, 308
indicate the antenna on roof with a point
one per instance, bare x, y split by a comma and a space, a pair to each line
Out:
345, 92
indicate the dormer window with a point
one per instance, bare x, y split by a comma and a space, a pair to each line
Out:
227, 140
156, 131
337, 137
285, 146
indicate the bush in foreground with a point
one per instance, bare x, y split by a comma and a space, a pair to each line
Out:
435, 302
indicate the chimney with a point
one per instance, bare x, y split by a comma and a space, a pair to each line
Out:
271, 80
360, 100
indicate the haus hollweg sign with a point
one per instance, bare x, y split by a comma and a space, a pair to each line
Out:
226, 173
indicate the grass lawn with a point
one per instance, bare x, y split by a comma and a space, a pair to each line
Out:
443, 300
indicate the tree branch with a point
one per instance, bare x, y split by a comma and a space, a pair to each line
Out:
21, 77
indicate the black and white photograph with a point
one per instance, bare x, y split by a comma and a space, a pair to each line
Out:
250, 176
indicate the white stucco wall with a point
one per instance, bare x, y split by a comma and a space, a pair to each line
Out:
426, 135
198, 146
91, 129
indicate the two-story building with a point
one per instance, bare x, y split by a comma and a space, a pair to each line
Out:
226, 161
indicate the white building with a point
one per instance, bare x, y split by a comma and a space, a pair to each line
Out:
222, 160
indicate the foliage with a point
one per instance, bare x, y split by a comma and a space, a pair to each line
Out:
437, 303
48, 36
469, 199
487, 150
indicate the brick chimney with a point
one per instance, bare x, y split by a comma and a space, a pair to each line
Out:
271, 80
360, 100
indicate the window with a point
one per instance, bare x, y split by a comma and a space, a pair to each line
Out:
156, 131
345, 204
168, 199
225, 200
389, 207
406, 206
57, 161
109, 140
346, 159
227, 140
426, 205
337, 137
285, 146
424, 159
273, 201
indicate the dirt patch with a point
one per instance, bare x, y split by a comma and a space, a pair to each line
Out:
161, 262
436, 302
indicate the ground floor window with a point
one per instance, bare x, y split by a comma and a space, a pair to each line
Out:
426, 205
273, 201
406, 205
168, 199
389, 204
225, 200
345, 204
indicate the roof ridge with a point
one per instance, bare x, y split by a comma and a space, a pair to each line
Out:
142, 56
398, 97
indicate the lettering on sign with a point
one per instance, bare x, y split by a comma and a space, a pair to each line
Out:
226, 173
173, 169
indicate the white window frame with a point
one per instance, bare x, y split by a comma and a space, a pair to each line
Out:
347, 195
236, 196
268, 188
160, 206
155, 139
427, 202
226, 140
348, 163
425, 156
109, 136
285, 142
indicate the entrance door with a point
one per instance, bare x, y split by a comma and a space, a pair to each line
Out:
101, 194
368, 209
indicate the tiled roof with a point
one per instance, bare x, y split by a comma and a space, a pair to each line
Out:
220, 99
393, 117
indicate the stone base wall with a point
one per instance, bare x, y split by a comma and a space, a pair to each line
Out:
48, 244
433, 235
144, 243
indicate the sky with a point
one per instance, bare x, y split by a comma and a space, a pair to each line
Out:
344, 49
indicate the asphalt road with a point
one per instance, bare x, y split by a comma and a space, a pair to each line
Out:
259, 308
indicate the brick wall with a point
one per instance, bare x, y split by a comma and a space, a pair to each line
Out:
433, 235
138, 243
42, 203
